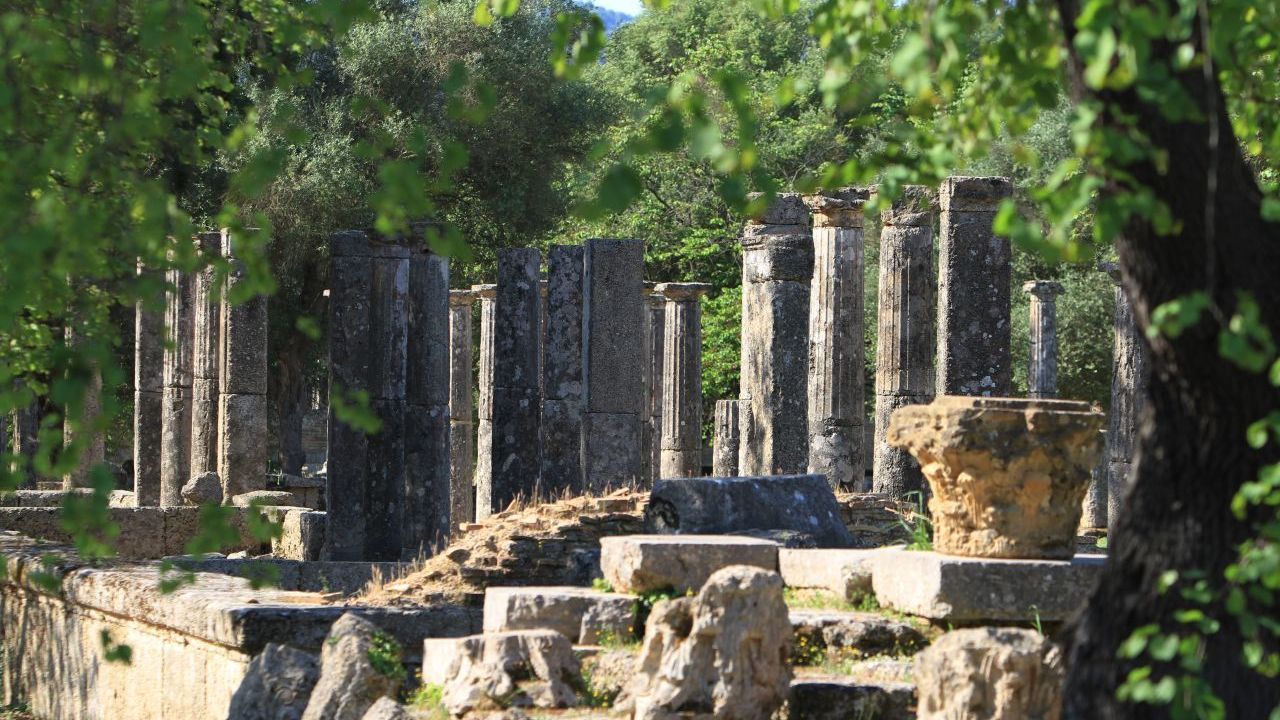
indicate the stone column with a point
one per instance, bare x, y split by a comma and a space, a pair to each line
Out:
487, 295
86, 411
973, 290
175, 419
427, 419
1129, 377
368, 346
242, 383
777, 266
517, 352
462, 450
655, 328
26, 435
682, 380
1042, 372
206, 356
724, 456
613, 351
837, 409
562, 373
148, 401
905, 331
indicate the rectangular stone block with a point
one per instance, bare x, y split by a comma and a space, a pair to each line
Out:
580, 614
704, 505
242, 446
965, 589
611, 451
840, 698
517, 334
462, 507
426, 462
385, 484
612, 307
514, 456
349, 318
561, 447
844, 572
645, 563
345, 490
428, 342
563, 366
302, 534
388, 291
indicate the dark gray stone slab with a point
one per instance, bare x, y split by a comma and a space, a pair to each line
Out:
426, 460
427, 382
803, 503
611, 451
612, 342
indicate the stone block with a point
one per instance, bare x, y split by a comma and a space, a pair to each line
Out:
481, 671
845, 635
384, 485
147, 409
991, 673
580, 614
709, 506
517, 334
204, 426
973, 194
613, 342
611, 451
777, 253
847, 573
242, 443
644, 563
426, 462
203, 489
345, 489
786, 209
349, 332
427, 381
959, 589
514, 454
561, 446
563, 367
841, 698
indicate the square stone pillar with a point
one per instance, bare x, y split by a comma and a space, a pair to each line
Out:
148, 400
682, 379
561, 467
517, 402
613, 352
242, 383
1042, 371
777, 267
654, 321
1129, 378
488, 296
973, 290
368, 348
905, 335
206, 328
427, 419
175, 419
724, 456
837, 408
462, 449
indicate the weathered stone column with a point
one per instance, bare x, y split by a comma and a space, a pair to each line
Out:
462, 449
368, 346
905, 331
148, 401
837, 409
242, 384
488, 296
517, 352
1042, 372
655, 328
427, 420
175, 419
87, 410
562, 373
682, 379
613, 351
1129, 377
206, 356
777, 266
26, 435
724, 455
973, 290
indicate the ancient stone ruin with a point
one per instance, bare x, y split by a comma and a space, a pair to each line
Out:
526, 504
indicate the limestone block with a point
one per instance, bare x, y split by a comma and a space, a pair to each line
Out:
263, 498
644, 563
203, 489
493, 671
277, 685
580, 614
1008, 476
561, 443
841, 698
959, 589
803, 503
242, 443
990, 674
349, 683
723, 653
845, 572
611, 451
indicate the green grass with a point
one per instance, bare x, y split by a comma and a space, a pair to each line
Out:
813, 599
429, 701
919, 525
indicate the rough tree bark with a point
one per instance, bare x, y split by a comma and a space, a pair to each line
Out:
1191, 453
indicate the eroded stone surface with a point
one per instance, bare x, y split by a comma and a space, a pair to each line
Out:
852, 634
1007, 475
489, 672
847, 573
990, 674
349, 682
203, 489
641, 563
277, 685
842, 698
723, 653
580, 614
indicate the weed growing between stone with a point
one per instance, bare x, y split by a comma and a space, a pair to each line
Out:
918, 524
384, 656
428, 700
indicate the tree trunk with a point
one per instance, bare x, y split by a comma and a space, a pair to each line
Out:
1191, 451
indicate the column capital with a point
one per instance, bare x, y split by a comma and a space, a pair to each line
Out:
487, 291
680, 291
786, 209
838, 208
461, 297
974, 194
1045, 290
913, 208
1112, 269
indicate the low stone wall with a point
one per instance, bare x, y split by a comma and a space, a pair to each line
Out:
189, 648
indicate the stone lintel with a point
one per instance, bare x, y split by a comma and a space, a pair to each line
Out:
487, 291
677, 291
